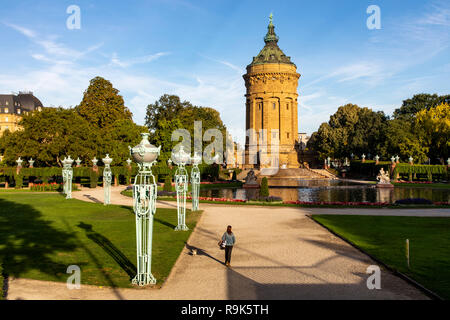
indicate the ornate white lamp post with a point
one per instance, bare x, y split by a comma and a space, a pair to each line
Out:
195, 180
67, 173
377, 158
107, 178
94, 162
411, 159
363, 157
19, 163
31, 162
128, 161
397, 159
393, 159
181, 158
78, 162
144, 206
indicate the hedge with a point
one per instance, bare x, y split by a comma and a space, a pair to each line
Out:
429, 170
10, 173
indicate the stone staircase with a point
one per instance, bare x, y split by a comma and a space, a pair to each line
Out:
325, 173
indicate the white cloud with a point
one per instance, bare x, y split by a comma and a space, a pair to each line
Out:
139, 60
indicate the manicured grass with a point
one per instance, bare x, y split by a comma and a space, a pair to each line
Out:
385, 237
42, 234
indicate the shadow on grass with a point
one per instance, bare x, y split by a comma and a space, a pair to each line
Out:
27, 242
110, 249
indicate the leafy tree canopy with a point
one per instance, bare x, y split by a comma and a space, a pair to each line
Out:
102, 105
417, 103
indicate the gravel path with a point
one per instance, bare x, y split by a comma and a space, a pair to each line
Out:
280, 254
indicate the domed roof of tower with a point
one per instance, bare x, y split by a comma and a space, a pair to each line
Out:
271, 53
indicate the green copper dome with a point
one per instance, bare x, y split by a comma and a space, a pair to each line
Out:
271, 53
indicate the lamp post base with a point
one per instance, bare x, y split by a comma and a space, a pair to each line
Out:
144, 279
181, 227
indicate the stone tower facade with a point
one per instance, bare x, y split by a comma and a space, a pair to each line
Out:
271, 104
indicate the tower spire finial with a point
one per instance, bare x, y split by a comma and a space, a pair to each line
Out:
271, 19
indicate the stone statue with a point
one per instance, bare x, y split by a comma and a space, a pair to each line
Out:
251, 178
383, 177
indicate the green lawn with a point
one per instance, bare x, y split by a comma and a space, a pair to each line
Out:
385, 237
42, 234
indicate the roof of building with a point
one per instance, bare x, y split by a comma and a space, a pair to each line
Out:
271, 53
24, 100
29, 101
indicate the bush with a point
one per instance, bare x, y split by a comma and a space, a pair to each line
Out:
168, 183
264, 190
414, 201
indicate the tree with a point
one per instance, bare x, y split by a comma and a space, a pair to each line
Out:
117, 137
49, 135
402, 141
350, 130
168, 107
433, 129
102, 105
264, 188
419, 102
169, 113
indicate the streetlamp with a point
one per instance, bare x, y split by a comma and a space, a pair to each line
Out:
107, 177
19, 163
363, 157
128, 161
393, 159
195, 180
67, 173
397, 159
411, 159
181, 158
31, 162
377, 158
144, 206
78, 162
94, 162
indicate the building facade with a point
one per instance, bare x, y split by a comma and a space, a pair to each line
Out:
13, 107
271, 107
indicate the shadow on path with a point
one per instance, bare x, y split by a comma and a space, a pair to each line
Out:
201, 252
92, 198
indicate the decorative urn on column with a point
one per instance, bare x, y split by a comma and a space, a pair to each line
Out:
144, 206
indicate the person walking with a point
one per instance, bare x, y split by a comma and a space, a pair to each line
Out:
229, 239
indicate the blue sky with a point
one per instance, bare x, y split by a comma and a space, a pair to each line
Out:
199, 51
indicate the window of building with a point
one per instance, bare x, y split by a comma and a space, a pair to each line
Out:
6, 110
287, 106
6, 119
18, 111
288, 135
274, 105
6, 102
39, 109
